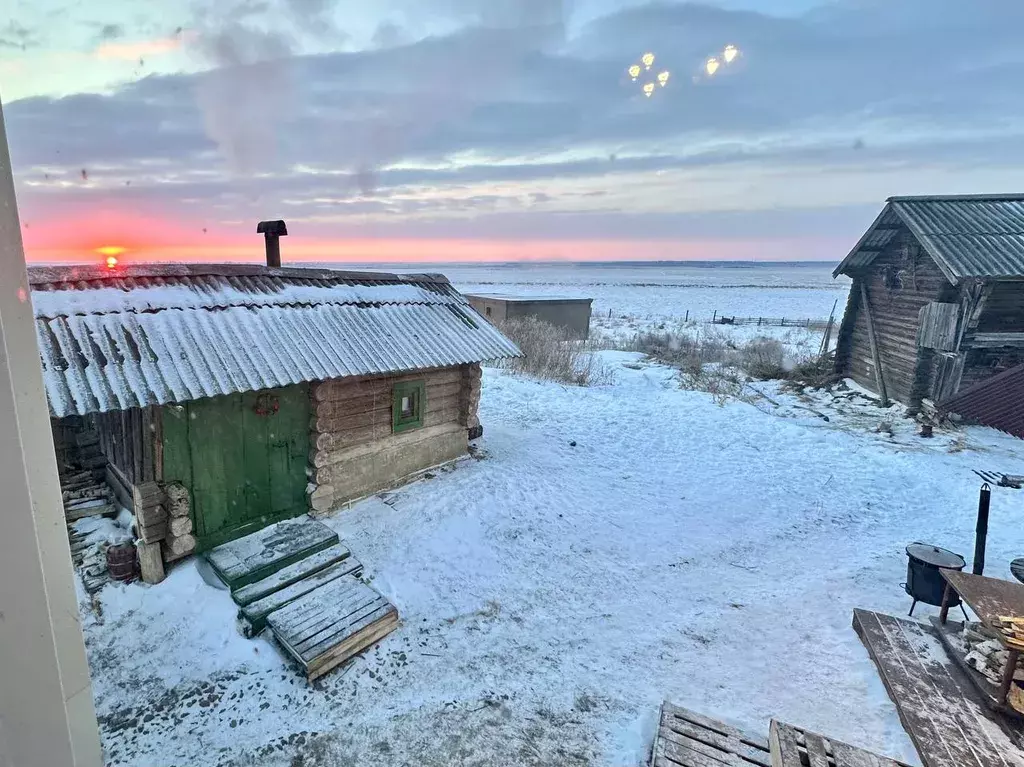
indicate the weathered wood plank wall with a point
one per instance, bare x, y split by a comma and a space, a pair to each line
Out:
900, 281
1004, 309
353, 450
127, 439
985, 363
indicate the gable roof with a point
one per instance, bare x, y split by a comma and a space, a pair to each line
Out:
158, 333
972, 236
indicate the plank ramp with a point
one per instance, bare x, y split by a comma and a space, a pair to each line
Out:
261, 554
688, 739
942, 712
254, 615
332, 623
794, 747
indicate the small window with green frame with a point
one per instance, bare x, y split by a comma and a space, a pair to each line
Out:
408, 400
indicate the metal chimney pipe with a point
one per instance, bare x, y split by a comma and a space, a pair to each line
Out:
272, 232
981, 530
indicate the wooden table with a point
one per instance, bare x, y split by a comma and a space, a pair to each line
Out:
990, 598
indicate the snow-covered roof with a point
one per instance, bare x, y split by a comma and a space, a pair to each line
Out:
530, 299
968, 236
153, 334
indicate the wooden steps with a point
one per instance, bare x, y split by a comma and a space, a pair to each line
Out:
263, 553
254, 615
944, 715
688, 739
297, 579
289, 575
794, 747
330, 624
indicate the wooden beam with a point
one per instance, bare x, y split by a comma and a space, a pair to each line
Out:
974, 299
875, 356
994, 340
158, 443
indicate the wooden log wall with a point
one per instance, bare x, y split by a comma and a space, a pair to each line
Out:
899, 282
353, 447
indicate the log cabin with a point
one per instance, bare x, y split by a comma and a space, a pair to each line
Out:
937, 300
257, 393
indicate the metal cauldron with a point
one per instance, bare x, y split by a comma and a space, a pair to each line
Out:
924, 581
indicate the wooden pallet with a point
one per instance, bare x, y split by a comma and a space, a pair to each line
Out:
332, 623
942, 712
255, 613
793, 747
688, 739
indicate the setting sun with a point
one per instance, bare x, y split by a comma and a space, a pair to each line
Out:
110, 250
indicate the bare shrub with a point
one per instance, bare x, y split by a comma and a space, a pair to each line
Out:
689, 352
713, 363
817, 371
763, 358
551, 353
721, 382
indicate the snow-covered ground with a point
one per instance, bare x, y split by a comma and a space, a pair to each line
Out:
608, 548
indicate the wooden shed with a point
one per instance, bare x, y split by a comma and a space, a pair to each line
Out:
937, 301
259, 393
572, 315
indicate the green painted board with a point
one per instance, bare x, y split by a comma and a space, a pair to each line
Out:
261, 554
243, 458
291, 574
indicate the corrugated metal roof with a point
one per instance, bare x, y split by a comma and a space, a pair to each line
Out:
979, 236
994, 402
160, 334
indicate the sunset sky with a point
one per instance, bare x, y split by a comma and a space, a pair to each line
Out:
444, 130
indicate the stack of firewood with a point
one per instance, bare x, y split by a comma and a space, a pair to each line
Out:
180, 542
986, 654
1012, 629
85, 496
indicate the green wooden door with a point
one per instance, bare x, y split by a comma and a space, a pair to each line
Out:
243, 458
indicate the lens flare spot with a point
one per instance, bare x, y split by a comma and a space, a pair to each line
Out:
730, 53
648, 89
648, 60
663, 79
634, 71
711, 66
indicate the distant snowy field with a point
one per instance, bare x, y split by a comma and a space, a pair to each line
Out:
669, 291
613, 546
631, 299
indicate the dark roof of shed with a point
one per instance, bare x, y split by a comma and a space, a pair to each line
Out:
994, 402
151, 334
968, 236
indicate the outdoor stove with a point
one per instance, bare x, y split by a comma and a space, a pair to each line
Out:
924, 581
